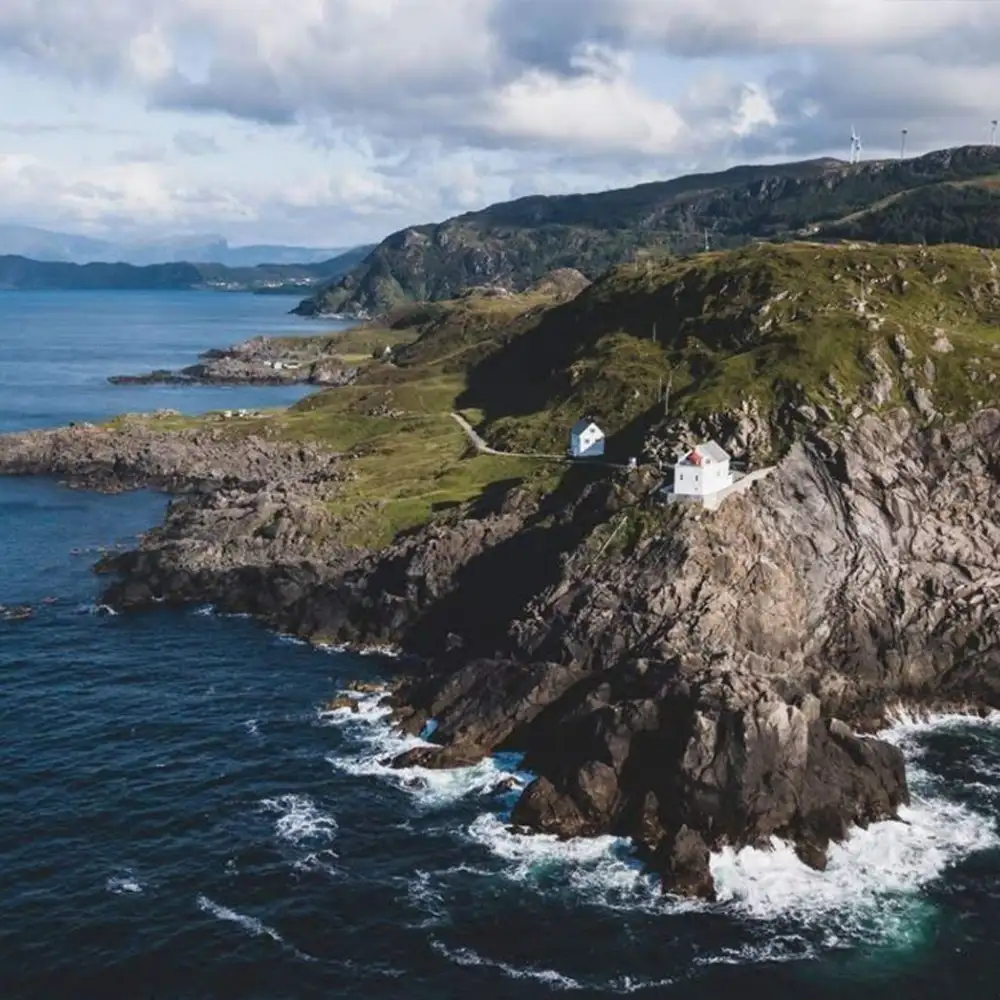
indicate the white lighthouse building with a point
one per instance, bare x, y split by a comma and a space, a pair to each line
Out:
702, 471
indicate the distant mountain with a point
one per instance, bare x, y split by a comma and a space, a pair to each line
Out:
22, 273
44, 245
945, 196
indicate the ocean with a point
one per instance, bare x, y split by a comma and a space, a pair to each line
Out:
181, 818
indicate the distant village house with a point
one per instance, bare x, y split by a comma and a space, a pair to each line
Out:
586, 440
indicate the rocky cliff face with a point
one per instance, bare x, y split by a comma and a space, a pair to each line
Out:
247, 510
698, 688
683, 677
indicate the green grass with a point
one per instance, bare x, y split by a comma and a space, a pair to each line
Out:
767, 325
409, 467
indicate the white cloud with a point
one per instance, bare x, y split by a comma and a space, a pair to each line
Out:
427, 107
718, 27
91, 196
150, 57
586, 113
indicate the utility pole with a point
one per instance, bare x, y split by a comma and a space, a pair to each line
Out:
654, 333
666, 395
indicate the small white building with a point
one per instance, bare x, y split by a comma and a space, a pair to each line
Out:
702, 471
586, 439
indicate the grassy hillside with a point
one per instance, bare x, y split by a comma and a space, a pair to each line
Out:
797, 332
517, 242
773, 326
410, 458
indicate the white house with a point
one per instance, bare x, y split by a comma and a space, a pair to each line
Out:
702, 471
586, 439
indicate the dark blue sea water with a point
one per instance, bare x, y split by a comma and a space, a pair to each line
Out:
179, 818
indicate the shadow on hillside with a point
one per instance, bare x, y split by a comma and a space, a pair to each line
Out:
493, 588
697, 309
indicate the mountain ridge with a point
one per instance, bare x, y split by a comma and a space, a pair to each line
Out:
23, 273
515, 243
75, 248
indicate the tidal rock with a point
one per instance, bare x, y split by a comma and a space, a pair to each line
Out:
342, 701
438, 758
683, 861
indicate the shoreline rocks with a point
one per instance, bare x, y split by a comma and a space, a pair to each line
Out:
259, 361
708, 683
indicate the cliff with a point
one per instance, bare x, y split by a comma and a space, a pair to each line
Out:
684, 677
941, 197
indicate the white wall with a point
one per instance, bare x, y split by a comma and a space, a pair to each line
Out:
695, 480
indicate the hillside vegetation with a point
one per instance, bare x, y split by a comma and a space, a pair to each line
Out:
771, 328
794, 333
409, 458
941, 197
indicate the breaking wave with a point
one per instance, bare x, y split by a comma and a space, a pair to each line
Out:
300, 820
97, 609
467, 957
124, 884
377, 743
251, 925
870, 894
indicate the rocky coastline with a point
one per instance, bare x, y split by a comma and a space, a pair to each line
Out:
708, 681
259, 361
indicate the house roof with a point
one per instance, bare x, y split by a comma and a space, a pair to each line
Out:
708, 450
581, 425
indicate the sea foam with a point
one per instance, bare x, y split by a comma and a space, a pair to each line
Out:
299, 820
376, 743
870, 893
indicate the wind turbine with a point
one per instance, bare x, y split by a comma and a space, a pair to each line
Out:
855, 146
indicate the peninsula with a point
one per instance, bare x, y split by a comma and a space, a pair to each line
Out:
685, 677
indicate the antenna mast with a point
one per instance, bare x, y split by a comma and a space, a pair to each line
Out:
902, 142
993, 132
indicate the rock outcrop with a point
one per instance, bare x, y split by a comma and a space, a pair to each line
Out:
259, 361
704, 685
705, 680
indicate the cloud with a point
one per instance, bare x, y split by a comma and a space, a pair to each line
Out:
143, 153
117, 193
433, 106
194, 143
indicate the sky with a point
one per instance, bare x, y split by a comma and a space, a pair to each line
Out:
335, 122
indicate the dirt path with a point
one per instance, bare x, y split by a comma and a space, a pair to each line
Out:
484, 449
